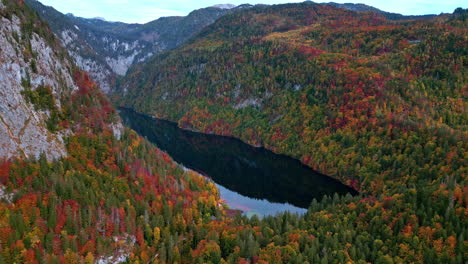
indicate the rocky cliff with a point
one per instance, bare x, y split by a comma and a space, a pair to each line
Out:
53, 207
30, 62
107, 49
36, 76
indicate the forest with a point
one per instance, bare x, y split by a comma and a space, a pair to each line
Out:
378, 104
375, 103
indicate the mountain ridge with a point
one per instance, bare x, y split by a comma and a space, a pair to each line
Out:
373, 102
75, 197
107, 49
225, 6
236, 30
388, 15
379, 104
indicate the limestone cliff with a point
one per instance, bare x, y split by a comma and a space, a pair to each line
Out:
108, 49
35, 76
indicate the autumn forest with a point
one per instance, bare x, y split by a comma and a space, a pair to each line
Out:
377, 104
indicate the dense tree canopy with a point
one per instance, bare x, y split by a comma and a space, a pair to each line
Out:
377, 104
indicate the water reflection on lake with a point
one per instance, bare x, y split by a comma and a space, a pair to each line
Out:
254, 180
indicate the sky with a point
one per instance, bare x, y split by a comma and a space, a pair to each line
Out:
142, 11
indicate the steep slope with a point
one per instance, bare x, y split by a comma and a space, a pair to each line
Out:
103, 54
102, 186
294, 78
34, 76
379, 104
108, 49
173, 31
115, 198
366, 8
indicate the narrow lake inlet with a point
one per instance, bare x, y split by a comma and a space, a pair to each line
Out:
253, 180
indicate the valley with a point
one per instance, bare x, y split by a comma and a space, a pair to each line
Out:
252, 134
262, 180
108, 49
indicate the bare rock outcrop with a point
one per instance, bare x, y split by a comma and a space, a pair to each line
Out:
23, 130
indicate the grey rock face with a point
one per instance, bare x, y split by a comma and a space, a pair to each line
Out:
107, 50
22, 128
104, 57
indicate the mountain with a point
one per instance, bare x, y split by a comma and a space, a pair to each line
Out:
246, 75
107, 49
225, 6
366, 8
35, 75
75, 186
377, 103
255, 72
380, 102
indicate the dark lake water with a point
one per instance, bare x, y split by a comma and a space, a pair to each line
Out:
254, 180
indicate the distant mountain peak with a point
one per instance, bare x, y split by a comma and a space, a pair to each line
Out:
107, 49
99, 18
225, 6
355, 7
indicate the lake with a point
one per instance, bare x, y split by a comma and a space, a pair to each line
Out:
254, 180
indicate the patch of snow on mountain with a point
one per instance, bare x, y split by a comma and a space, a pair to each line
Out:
225, 6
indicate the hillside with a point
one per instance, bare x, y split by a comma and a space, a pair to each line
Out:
366, 8
107, 49
75, 187
315, 82
99, 193
35, 75
378, 104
